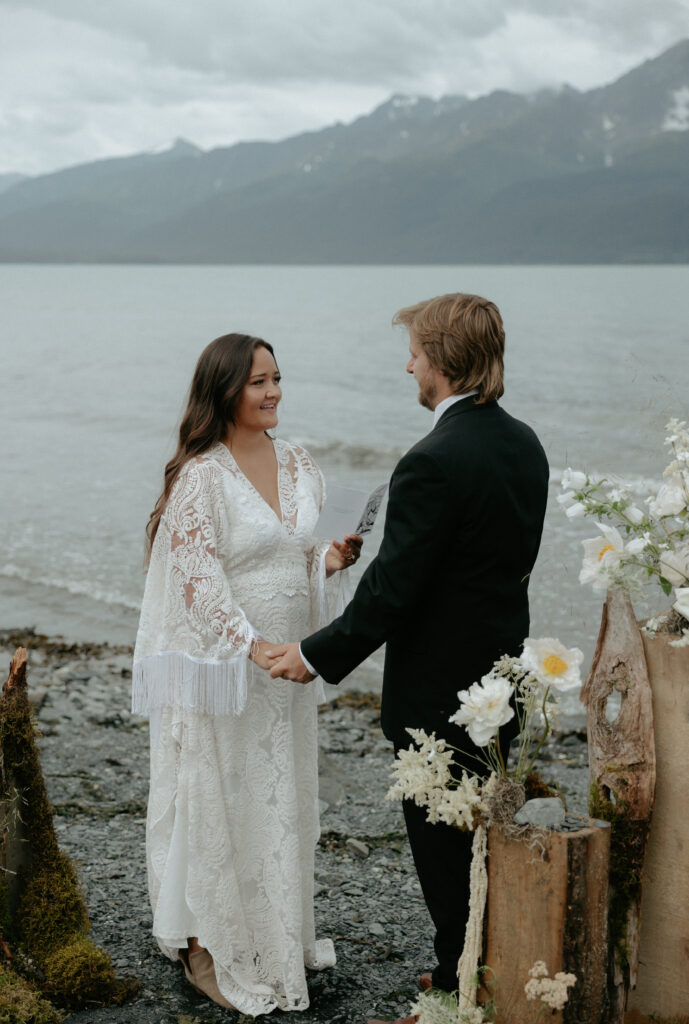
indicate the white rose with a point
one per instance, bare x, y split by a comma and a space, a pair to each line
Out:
601, 556
552, 663
671, 498
674, 566
574, 478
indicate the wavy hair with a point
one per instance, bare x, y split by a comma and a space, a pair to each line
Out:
223, 369
463, 337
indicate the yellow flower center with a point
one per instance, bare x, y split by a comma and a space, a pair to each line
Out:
554, 666
608, 547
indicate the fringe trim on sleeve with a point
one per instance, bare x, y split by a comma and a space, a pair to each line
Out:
174, 679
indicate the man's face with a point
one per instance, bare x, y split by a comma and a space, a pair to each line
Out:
424, 374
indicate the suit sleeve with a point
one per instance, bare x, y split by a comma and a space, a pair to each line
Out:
395, 582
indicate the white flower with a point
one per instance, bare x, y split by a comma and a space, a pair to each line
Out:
601, 556
572, 478
456, 806
636, 546
575, 510
552, 663
485, 707
681, 605
566, 499
674, 566
671, 499
634, 514
551, 991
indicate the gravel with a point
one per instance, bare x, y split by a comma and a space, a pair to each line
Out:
95, 759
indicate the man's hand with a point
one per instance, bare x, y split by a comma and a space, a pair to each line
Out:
287, 663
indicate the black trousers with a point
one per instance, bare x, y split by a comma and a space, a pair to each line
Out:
442, 857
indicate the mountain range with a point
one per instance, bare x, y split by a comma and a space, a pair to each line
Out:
559, 176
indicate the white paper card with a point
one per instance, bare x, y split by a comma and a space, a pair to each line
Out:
347, 510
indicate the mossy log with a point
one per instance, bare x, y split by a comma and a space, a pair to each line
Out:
43, 908
622, 763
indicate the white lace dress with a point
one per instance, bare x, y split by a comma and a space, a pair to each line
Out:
233, 805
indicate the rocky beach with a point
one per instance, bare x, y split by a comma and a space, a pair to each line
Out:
95, 761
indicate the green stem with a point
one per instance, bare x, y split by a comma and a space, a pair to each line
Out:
543, 738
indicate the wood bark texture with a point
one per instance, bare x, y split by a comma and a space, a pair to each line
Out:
548, 900
14, 849
663, 983
622, 756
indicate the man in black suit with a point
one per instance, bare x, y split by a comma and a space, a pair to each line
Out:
447, 591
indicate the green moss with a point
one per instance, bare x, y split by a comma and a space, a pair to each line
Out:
52, 907
20, 1003
51, 920
627, 848
78, 973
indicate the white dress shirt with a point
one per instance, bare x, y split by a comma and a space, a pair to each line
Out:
440, 408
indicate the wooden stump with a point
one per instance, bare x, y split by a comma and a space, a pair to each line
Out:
622, 771
548, 900
663, 978
14, 848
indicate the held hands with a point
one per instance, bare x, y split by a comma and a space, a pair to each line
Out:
341, 554
286, 663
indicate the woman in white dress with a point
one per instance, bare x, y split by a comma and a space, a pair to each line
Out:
233, 804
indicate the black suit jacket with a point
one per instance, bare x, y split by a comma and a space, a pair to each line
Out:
448, 588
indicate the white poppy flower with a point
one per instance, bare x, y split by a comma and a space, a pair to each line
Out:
485, 706
572, 478
674, 566
601, 555
552, 663
671, 498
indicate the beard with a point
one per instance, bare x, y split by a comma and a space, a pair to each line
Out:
427, 395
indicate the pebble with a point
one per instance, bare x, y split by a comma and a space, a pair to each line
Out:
357, 847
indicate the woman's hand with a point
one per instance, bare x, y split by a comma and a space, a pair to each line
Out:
258, 654
342, 554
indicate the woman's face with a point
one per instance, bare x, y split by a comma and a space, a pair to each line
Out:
258, 404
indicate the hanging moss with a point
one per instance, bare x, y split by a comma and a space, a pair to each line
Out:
627, 848
51, 920
21, 1003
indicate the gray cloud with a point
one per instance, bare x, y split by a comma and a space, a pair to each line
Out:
81, 80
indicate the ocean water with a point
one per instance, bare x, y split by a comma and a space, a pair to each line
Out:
96, 361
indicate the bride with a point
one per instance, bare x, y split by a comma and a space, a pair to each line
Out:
233, 803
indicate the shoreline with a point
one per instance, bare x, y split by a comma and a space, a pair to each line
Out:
95, 760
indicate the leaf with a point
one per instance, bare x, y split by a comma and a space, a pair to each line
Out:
666, 585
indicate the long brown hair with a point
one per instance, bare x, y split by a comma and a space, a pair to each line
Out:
223, 369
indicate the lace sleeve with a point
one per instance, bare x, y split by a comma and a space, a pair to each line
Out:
194, 640
215, 625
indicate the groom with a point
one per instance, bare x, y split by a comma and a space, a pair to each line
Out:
447, 591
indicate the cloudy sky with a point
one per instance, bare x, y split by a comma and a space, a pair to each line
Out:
83, 79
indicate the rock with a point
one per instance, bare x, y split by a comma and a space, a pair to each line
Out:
548, 812
376, 929
357, 847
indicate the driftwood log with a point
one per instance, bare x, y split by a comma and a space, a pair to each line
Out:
548, 900
662, 990
622, 762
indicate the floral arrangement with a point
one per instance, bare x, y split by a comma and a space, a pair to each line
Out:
526, 686
638, 545
441, 1007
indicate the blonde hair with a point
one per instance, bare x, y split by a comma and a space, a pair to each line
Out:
463, 337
